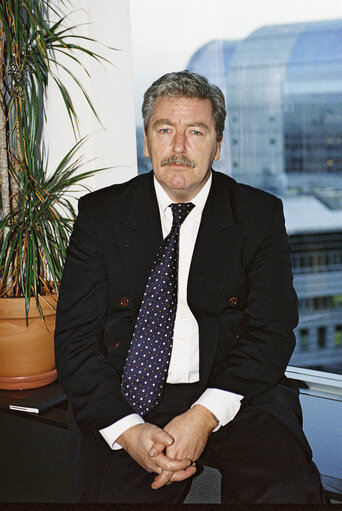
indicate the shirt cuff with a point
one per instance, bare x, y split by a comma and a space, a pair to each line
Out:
111, 433
222, 404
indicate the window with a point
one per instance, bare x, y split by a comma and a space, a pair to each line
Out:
337, 301
304, 161
338, 336
304, 339
321, 336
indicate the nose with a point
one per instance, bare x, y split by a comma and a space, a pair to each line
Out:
179, 142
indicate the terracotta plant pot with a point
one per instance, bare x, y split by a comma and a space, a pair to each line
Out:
27, 356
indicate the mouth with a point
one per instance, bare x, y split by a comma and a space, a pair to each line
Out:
179, 165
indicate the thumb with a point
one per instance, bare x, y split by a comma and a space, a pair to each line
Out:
164, 440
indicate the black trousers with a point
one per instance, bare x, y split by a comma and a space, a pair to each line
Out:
263, 456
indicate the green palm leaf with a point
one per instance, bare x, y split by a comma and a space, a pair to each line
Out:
34, 234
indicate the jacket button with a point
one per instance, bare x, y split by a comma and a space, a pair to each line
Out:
233, 301
124, 301
116, 344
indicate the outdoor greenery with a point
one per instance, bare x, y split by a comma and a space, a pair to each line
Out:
36, 214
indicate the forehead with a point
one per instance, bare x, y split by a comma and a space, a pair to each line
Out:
182, 108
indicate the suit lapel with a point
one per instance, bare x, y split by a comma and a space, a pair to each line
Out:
140, 236
215, 246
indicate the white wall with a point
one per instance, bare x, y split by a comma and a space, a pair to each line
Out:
110, 88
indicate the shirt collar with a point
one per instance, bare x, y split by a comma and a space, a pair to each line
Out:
199, 200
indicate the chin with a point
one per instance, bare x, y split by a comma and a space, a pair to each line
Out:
178, 184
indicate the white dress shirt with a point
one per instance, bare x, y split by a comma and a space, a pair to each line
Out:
184, 362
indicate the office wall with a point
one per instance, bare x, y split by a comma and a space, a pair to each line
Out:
110, 87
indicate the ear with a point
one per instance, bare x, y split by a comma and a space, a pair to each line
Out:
218, 149
146, 152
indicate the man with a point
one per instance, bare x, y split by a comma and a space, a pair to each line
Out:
222, 396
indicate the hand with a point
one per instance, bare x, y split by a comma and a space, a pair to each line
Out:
190, 432
138, 441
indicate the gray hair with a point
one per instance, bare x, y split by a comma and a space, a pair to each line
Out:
191, 85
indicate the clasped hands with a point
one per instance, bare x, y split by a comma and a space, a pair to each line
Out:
170, 452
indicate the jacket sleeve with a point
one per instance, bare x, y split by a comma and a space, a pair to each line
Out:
264, 332
92, 384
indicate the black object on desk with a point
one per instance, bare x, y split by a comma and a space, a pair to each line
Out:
40, 401
57, 415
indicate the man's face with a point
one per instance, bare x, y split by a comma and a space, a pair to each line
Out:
181, 142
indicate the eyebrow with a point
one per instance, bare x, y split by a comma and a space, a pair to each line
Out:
200, 124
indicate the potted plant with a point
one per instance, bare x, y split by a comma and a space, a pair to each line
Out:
36, 214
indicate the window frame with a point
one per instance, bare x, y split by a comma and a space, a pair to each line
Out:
316, 383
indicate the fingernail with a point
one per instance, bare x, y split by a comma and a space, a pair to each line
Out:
153, 452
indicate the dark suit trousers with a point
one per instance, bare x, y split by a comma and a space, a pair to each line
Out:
262, 455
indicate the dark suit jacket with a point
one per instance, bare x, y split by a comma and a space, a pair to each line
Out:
239, 290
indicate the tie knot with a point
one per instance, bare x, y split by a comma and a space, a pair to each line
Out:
180, 211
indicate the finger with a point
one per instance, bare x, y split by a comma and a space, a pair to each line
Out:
181, 475
161, 480
156, 449
161, 437
166, 477
166, 463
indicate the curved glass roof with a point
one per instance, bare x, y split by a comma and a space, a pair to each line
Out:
311, 54
213, 60
319, 41
315, 63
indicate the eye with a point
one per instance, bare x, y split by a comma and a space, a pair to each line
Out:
196, 132
164, 130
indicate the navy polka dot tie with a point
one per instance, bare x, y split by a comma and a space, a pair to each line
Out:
149, 354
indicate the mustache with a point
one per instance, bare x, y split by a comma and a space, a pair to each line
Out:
180, 160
